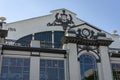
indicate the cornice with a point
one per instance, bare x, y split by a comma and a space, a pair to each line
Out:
33, 49
82, 41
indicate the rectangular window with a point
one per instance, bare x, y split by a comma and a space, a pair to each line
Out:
116, 71
15, 69
51, 69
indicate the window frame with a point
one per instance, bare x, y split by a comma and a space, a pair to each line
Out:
10, 57
55, 58
94, 65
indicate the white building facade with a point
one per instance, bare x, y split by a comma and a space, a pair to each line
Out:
58, 46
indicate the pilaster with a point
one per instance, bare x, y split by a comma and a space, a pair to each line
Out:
72, 58
100, 73
105, 63
0, 58
34, 68
73, 62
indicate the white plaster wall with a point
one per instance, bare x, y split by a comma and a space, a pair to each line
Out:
37, 24
22, 53
52, 55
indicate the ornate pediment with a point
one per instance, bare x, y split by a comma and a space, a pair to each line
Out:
86, 33
62, 19
84, 36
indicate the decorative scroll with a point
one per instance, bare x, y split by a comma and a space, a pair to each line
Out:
88, 48
64, 20
86, 33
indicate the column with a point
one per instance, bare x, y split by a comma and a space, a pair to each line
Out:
0, 58
99, 71
105, 63
34, 68
73, 62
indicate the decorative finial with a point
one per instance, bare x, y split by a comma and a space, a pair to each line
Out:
2, 19
114, 31
63, 11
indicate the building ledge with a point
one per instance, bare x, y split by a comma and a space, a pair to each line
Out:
33, 49
115, 55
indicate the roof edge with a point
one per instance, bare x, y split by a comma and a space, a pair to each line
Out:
62, 9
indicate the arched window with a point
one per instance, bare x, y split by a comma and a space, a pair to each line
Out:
88, 68
25, 41
49, 39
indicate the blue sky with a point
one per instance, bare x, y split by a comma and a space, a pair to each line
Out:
104, 14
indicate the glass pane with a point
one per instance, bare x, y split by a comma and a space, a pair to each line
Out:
26, 76
25, 41
116, 71
55, 63
54, 69
13, 62
54, 74
20, 62
5, 69
42, 74
88, 67
26, 69
57, 38
61, 64
5, 61
15, 69
26, 62
42, 63
61, 74
45, 38
48, 63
